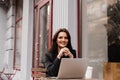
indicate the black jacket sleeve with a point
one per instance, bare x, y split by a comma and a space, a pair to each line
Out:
52, 65
74, 53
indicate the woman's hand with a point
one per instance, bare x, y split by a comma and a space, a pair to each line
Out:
66, 52
60, 54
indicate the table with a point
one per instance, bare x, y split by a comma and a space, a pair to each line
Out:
45, 78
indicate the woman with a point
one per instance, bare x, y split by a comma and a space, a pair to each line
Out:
61, 48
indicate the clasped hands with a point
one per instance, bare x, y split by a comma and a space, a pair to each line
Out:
64, 52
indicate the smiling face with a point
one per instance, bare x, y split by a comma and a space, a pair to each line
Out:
62, 40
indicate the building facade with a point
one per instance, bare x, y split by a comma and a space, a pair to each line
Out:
27, 27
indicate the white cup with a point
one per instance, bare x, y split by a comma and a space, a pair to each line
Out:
88, 74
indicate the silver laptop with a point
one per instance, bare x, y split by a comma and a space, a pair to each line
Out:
72, 68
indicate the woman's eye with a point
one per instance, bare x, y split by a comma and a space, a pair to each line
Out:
63, 37
66, 37
60, 37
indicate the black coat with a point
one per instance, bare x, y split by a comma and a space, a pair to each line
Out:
114, 53
52, 63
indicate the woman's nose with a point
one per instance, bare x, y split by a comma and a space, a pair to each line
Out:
63, 39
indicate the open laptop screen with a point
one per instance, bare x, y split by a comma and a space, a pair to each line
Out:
72, 68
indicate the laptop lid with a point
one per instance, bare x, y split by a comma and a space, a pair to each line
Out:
72, 68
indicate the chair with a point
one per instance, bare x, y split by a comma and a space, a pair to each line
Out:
111, 71
10, 75
39, 72
1, 72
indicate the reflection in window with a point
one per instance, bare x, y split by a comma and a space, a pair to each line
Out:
44, 30
37, 1
94, 34
18, 43
35, 36
18, 33
113, 31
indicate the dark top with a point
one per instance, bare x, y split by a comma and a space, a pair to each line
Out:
114, 53
52, 63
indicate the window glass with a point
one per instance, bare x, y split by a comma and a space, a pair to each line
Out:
35, 32
19, 9
44, 30
95, 32
18, 44
36, 1
18, 33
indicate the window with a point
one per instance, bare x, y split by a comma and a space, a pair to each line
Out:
42, 31
18, 33
95, 32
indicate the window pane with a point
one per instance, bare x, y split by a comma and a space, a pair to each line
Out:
37, 1
18, 34
44, 30
18, 44
94, 31
19, 9
35, 43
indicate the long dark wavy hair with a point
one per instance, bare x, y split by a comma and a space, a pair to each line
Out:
54, 47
